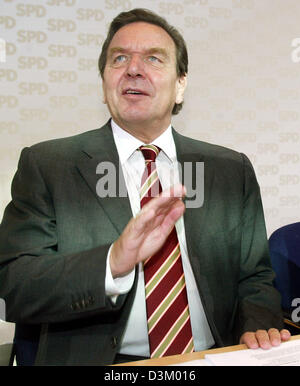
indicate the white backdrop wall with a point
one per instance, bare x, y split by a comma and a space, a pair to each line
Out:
243, 92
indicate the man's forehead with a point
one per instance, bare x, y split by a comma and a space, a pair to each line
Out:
142, 36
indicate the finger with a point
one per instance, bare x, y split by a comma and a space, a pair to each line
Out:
249, 339
263, 339
161, 212
149, 219
167, 198
137, 226
177, 190
274, 336
175, 212
163, 205
285, 335
165, 222
143, 220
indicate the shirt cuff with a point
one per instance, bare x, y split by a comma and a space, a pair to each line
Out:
119, 285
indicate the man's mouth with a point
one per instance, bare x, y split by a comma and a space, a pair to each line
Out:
133, 91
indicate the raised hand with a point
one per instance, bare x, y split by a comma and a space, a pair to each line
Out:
146, 233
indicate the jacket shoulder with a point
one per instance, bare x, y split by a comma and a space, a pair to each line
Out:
207, 150
58, 145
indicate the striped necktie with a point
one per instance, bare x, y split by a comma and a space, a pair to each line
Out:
168, 317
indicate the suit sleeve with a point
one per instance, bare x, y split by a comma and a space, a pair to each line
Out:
259, 301
39, 284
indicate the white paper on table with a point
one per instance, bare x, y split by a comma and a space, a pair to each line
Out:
287, 354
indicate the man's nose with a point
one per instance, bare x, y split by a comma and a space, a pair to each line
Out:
136, 66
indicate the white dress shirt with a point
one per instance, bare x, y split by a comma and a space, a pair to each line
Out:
135, 339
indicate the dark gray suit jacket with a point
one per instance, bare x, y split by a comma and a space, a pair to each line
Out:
56, 233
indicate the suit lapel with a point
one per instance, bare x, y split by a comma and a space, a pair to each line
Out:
99, 148
196, 223
192, 216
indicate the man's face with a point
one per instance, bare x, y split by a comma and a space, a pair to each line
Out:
140, 83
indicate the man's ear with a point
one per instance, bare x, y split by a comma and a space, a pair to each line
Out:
180, 88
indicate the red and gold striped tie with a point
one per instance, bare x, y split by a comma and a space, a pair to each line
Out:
168, 316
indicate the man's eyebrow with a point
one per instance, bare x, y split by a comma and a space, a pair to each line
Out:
114, 50
157, 50
150, 51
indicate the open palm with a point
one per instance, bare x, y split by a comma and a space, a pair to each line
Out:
145, 234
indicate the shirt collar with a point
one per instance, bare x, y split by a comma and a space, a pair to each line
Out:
126, 143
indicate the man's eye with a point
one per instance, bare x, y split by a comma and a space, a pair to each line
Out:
153, 59
120, 59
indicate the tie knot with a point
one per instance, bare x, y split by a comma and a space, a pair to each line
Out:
150, 152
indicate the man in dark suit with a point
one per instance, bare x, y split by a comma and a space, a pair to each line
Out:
72, 259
